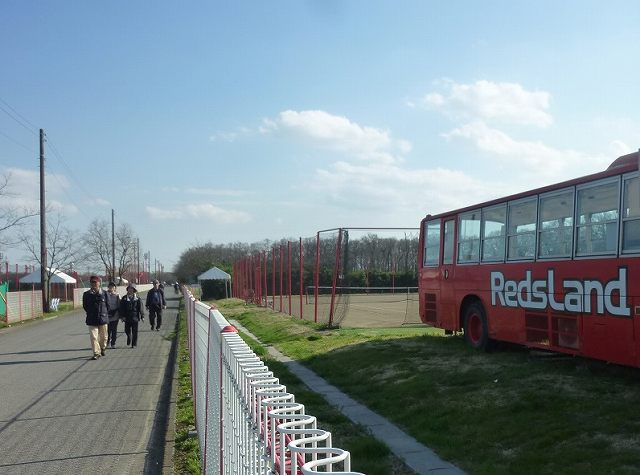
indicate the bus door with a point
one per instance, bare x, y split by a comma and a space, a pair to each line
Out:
447, 308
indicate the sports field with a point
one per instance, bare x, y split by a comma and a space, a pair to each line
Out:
355, 310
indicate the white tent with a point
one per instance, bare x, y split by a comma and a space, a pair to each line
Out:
57, 277
214, 274
217, 274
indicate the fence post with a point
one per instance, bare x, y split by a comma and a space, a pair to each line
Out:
335, 277
264, 278
226, 329
281, 272
317, 279
301, 279
273, 277
289, 273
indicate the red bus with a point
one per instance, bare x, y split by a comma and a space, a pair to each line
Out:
556, 268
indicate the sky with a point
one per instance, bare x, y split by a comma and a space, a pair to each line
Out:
245, 121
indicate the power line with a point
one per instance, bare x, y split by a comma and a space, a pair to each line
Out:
28, 125
20, 119
17, 143
70, 171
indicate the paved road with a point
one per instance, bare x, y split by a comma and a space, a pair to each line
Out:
62, 413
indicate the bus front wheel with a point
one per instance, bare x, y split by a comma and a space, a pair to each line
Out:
476, 329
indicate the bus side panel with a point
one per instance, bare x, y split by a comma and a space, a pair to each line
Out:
505, 324
609, 339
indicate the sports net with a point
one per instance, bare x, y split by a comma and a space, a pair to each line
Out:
368, 306
373, 270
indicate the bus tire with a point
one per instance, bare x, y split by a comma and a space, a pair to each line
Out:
476, 328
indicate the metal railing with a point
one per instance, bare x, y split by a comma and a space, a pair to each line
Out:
247, 422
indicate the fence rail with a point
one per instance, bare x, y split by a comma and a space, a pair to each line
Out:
247, 422
19, 306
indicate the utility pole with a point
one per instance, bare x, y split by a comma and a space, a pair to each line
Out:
113, 247
43, 232
137, 260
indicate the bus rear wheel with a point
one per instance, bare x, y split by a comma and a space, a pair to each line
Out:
476, 329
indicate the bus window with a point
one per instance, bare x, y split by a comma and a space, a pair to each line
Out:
469, 237
447, 258
432, 243
555, 226
522, 229
494, 221
631, 216
597, 219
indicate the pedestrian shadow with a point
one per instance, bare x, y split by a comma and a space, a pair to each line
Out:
43, 351
77, 358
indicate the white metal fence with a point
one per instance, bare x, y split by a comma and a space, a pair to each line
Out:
23, 305
247, 422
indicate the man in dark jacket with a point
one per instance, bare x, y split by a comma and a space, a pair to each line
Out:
155, 303
94, 302
113, 302
131, 312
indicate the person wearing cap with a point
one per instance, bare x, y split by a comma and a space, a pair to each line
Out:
155, 303
113, 301
94, 302
131, 312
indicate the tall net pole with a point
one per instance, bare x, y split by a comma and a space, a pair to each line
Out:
301, 278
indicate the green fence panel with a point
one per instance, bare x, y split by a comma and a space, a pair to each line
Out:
4, 288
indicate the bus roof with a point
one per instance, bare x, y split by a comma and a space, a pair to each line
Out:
623, 164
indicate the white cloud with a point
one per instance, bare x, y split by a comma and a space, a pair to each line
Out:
217, 214
163, 214
523, 157
491, 101
222, 136
102, 202
22, 189
618, 147
385, 190
339, 134
204, 211
214, 192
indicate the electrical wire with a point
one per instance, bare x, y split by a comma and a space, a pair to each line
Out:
28, 125
21, 120
18, 143
58, 155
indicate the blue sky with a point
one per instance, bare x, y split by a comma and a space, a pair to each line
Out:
243, 121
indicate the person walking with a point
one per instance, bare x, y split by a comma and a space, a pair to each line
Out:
94, 302
113, 302
131, 312
155, 304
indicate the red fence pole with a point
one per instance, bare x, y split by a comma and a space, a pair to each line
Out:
273, 277
281, 272
317, 279
335, 277
301, 280
289, 273
266, 289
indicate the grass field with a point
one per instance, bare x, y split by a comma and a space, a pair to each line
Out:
511, 411
379, 310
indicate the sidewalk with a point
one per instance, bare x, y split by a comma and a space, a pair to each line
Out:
417, 456
61, 412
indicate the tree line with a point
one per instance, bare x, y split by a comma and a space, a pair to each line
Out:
369, 260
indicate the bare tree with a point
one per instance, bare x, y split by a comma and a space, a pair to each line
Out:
11, 218
125, 249
97, 241
98, 246
63, 247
